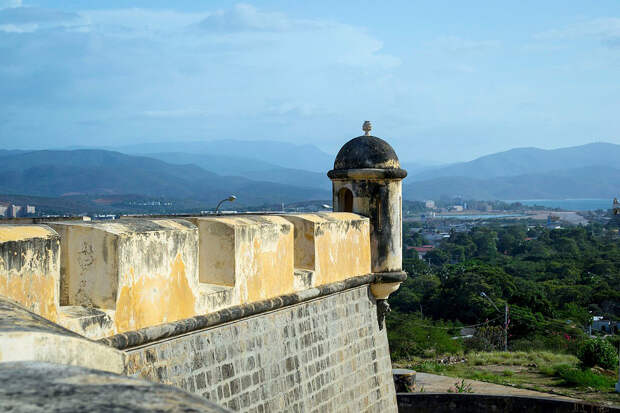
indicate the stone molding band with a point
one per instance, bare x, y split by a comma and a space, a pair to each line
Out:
390, 277
367, 173
147, 335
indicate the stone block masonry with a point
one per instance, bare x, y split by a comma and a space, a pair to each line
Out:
323, 355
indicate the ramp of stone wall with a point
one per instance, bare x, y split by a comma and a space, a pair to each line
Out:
25, 336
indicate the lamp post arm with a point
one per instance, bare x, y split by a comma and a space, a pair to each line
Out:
217, 208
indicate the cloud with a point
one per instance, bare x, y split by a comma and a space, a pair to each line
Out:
30, 19
458, 44
604, 29
153, 72
247, 18
276, 34
10, 3
175, 113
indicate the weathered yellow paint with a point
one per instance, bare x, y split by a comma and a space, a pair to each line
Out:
23, 232
216, 251
30, 276
36, 292
272, 273
252, 254
142, 273
154, 299
342, 252
335, 246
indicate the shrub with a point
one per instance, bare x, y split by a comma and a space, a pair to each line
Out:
411, 337
598, 352
554, 341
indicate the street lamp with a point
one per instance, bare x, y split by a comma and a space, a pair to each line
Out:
483, 294
229, 199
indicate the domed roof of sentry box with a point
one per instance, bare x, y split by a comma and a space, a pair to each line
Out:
368, 152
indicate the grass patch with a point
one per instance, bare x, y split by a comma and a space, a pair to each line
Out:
520, 358
486, 376
575, 377
534, 370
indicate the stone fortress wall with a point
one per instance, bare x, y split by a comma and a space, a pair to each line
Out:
311, 343
258, 313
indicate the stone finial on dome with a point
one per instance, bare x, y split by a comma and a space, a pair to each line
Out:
367, 127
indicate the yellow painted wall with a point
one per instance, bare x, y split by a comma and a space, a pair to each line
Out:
29, 267
142, 272
335, 245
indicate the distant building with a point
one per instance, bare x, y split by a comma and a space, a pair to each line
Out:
15, 210
429, 204
423, 250
600, 323
457, 208
31, 209
4, 209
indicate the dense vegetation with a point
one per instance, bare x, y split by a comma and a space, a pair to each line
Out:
554, 281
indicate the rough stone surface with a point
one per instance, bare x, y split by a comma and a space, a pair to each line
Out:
324, 355
52, 388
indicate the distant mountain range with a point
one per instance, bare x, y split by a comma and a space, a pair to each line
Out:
268, 172
247, 155
527, 161
249, 168
587, 171
577, 183
94, 172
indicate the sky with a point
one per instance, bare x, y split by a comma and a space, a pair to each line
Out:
442, 81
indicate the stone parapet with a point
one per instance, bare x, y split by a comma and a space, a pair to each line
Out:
140, 271
100, 278
334, 246
30, 267
251, 254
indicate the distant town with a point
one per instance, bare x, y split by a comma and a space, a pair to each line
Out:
8, 210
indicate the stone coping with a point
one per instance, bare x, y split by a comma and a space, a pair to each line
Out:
146, 335
390, 277
475, 402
